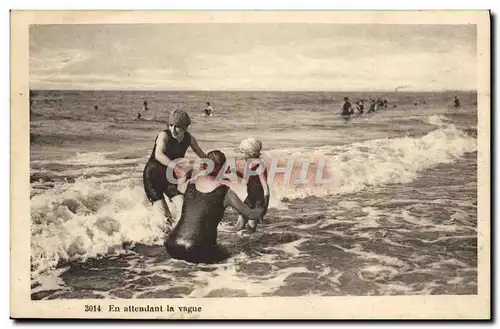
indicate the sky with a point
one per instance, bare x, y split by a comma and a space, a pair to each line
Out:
312, 57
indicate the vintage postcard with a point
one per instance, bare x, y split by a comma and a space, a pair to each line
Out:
250, 164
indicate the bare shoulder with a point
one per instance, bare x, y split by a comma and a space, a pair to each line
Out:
205, 184
162, 136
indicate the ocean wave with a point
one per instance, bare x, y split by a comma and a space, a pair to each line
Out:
379, 162
86, 219
437, 120
93, 217
89, 159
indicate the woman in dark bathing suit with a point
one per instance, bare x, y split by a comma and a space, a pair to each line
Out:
171, 144
194, 237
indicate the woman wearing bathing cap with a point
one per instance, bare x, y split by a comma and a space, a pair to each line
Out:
170, 144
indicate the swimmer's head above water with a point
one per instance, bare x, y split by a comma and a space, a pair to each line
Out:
218, 159
178, 122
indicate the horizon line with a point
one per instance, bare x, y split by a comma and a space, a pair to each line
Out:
258, 90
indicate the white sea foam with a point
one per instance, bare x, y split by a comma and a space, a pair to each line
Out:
88, 219
377, 162
93, 217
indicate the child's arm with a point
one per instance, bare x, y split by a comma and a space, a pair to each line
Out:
234, 201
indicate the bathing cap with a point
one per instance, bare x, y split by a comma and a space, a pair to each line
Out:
251, 147
179, 118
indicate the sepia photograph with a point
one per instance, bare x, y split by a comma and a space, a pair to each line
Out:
231, 159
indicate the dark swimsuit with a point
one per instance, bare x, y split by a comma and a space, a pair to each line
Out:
155, 173
346, 108
255, 191
201, 214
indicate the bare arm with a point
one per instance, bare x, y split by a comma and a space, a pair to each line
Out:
196, 148
161, 142
234, 201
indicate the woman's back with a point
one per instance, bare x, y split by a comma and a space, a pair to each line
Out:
195, 235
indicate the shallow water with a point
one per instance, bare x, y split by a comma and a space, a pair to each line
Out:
398, 217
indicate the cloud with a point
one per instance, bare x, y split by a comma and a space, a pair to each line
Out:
275, 68
316, 57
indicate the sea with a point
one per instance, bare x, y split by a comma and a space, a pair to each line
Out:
398, 217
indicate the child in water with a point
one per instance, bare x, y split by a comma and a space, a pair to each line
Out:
257, 187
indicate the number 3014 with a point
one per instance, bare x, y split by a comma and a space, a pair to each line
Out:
92, 308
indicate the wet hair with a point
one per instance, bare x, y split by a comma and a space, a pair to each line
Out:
346, 98
218, 158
